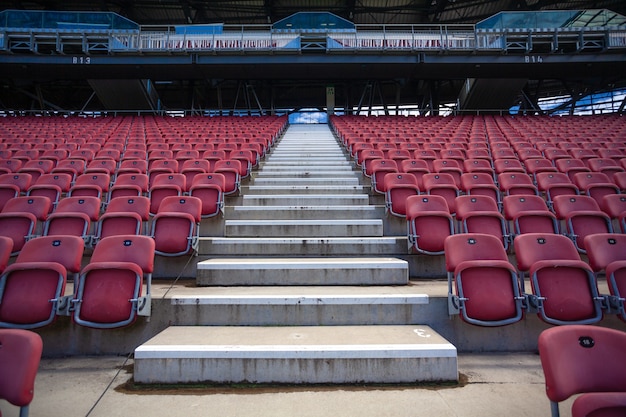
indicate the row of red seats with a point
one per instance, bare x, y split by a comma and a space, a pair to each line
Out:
429, 221
487, 290
108, 291
174, 226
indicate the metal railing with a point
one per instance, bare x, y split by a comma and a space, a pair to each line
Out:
366, 38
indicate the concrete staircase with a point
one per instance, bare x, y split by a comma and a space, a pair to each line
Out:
305, 288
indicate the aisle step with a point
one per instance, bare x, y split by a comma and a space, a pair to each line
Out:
296, 355
302, 271
301, 227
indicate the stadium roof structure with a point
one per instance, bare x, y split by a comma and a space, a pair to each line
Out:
424, 55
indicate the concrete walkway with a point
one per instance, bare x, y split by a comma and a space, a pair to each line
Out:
495, 385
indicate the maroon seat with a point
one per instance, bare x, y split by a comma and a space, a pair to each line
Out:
564, 287
585, 360
582, 216
483, 286
480, 214
443, 185
231, 170
607, 252
19, 361
378, 169
209, 188
398, 187
109, 291
123, 216
175, 227
33, 286
165, 185
529, 214
429, 223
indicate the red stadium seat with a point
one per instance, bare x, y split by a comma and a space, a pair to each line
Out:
607, 252
429, 223
615, 206
109, 291
516, 183
94, 184
480, 183
398, 187
231, 170
74, 216
553, 184
123, 216
378, 169
483, 286
19, 361
564, 287
582, 216
585, 360
529, 214
595, 184
175, 227
417, 167
443, 185
165, 185
480, 214
209, 188
33, 286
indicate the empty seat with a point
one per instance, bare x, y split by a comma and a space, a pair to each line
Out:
417, 167
22, 217
74, 216
536, 165
7, 192
231, 170
508, 165
398, 187
209, 188
443, 185
378, 169
480, 214
95, 184
587, 360
53, 186
478, 166
483, 286
193, 167
564, 287
615, 206
429, 222
449, 166
516, 183
106, 166
33, 286
607, 252
581, 216
595, 184
165, 185
19, 361
128, 185
109, 291
123, 216
529, 214
74, 167
21, 180
571, 167
175, 227
553, 184
480, 183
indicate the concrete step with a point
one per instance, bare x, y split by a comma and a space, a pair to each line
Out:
334, 179
304, 246
303, 212
298, 227
296, 355
304, 189
304, 199
301, 172
302, 305
302, 271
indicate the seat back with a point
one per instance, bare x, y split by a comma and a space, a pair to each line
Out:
579, 359
139, 205
20, 354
